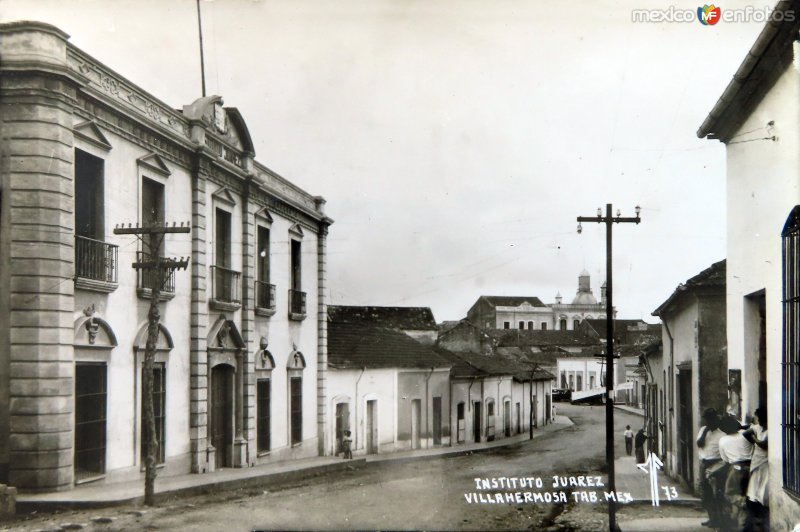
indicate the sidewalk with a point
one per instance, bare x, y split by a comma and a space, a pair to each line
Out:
637, 482
560, 422
631, 479
98, 495
631, 409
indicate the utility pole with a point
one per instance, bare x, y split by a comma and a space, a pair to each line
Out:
534, 367
160, 268
609, 221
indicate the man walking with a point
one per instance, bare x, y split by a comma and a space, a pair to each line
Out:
628, 439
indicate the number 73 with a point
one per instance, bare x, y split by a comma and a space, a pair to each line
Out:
670, 492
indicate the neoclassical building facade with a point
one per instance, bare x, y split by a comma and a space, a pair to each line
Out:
240, 374
530, 313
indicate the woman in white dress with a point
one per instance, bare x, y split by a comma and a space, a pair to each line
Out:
757, 487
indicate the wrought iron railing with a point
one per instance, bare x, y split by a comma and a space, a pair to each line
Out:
225, 284
297, 302
265, 295
95, 259
148, 278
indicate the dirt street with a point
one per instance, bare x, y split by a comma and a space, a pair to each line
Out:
422, 494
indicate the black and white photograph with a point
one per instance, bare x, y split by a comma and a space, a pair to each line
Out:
399, 265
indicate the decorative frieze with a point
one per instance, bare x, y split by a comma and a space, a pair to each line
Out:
125, 93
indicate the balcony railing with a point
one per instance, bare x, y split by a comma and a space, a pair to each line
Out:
95, 260
148, 278
297, 304
265, 296
225, 286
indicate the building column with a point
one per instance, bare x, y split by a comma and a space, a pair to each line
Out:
37, 251
322, 338
198, 394
245, 444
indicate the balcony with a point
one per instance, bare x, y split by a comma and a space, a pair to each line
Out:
265, 298
95, 265
297, 305
225, 289
147, 279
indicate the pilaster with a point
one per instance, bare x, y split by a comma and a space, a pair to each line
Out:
37, 251
198, 393
322, 338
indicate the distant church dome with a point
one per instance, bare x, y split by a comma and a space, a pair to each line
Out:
584, 295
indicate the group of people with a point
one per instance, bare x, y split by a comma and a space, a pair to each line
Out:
635, 442
733, 471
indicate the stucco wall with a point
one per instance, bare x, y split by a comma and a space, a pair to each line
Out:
356, 388
762, 188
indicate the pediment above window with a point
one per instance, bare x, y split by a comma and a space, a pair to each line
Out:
155, 163
225, 196
296, 231
264, 215
89, 132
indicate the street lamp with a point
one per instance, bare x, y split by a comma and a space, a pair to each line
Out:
609, 221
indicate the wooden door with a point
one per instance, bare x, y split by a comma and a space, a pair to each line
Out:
416, 410
686, 442
476, 421
437, 420
221, 428
342, 424
372, 427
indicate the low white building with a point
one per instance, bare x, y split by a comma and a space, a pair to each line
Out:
390, 391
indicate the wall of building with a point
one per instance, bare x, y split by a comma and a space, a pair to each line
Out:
355, 387
525, 314
423, 385
762, 188
81, 103
36, 253
466, 338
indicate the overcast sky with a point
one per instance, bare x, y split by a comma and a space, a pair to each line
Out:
457, 141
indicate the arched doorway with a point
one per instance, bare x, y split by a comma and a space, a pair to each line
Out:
227, 446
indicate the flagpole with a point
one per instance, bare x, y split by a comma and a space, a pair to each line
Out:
202, 62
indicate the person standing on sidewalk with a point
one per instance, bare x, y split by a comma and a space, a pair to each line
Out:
639, 442
628, 439
757, 491
347, 441
708, 450
736, 451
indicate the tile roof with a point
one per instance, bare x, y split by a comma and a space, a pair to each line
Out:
626, 331
353, 345
710, 278
539, 338
474, 364
512, 301
405, 318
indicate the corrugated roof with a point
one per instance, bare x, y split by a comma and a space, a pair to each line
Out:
353, 345
513, 301
404, 318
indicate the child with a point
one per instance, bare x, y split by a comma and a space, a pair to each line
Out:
346, 441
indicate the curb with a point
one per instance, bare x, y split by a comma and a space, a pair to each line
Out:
388, 459
634, 412
29, 506
272, 479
